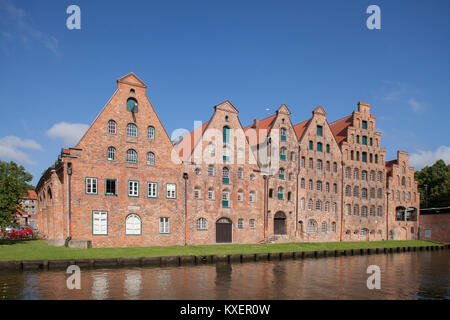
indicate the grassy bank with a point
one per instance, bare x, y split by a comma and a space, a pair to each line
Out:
40, 250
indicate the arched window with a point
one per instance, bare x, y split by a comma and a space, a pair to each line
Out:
379, 212
132, 105
226, 154
151, 133
372, 193
347, 173
356, 174
319, 205
319, 185
302, 183
310, 204
311, 163
334, 166
150, 158
202, 224
302, 203
281, 173
280, 193
319, 164
372, 175
348, 191
364, 193
210, 194
348, 210
197, 192
252, 196
333, 227
310, 184
319, 146
292, 156
241, 173
283, 153
226, 134
133, 225
356, 210
379, 194
240, 195
131, 156
327, 166
311, 226
225, 175
327, 206
364, 211
112, 127
283, 134
324, 227
112, 154
403, 181
334, 207
132, 130
356, 192
311, 145
364, 175
372, 211
225, 198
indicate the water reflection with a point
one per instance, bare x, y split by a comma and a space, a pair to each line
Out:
412, 275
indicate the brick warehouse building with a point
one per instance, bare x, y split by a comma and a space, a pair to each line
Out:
127, 184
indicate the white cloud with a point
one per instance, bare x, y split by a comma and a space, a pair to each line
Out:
428, 158
70, 133
10, 145
21, 27
416, 106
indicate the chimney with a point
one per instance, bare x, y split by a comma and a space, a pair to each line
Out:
255, 123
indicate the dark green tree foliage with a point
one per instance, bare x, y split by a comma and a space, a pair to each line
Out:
13, 185
434, 185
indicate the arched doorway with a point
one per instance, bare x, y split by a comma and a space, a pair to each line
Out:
224, 231
279, 223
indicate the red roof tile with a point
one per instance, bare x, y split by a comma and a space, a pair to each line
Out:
339, 128
300, 128
262, 128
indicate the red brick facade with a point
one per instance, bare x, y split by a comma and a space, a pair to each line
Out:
126, 184
435, 227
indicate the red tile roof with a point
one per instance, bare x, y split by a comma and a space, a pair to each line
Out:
262, 128
339, 128
300, 128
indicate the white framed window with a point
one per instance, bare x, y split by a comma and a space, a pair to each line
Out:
319, 185
348, 210
202, 224
310, 204
319, 164
333, 227
240, 223
210, 194
252, 196
197, 193
241, 173
311, 226
171, 191
131, 156
319, 205
310, 184
364, 211
99, 223
211, 170
91, 185
302, 204
252, 223
324, 227
151, 133
334, 207
133, 225
327, 206
164, 226
112, 154
240, 196
133, 188
132, 130
152, 189
150, 158
112, 127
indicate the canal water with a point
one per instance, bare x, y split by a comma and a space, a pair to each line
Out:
408, 275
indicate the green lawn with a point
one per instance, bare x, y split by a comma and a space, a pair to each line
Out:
39, 250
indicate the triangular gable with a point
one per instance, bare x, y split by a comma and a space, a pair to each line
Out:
284, 110
133, 80
227, 107
300, 128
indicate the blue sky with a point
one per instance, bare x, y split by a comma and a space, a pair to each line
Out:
196, 54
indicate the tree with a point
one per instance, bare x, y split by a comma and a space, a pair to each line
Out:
13, 185
434, 185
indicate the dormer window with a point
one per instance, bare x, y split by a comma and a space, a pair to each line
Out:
132, 105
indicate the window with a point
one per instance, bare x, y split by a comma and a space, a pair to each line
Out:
334, 207
310, 204
364, 140
110, 187
364, 124
131, 156
240, 223
280, 193
270, 193
240, 196
319, 131
328, 148
281, 173
371, 142
310, 163
112, 127
283, 152
226, 154
133, 225
132, 105
319, 205
150, 158
283, 134
348, 210
379, 176
112, 154
211, 170
364, 175
310, 145
197, 193
202, 224
241, 173
302, 203
225, 198
211, 149
99, 223
364, 211
372, 211
151, 133
324, 227
302, 162
356, 192
252, 177
357, 139
327, 166
252, 196
171, 191
319, 146
198, 171
319, 164
427, 233
291, 176
164, 225
132, 130
356, 210
152, 190
310, 184
226, 134
356, 174
311, 226
289, 196
333, 227
335, 188
292, 156
91, 186
327, 206
348, 191
302, 183
319, 185
252, 223
347, 173
364, 157
210, 194
327, 187
372, 193
379, 213
379, 194
364, 193
225, 175
133, 188
372, 175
